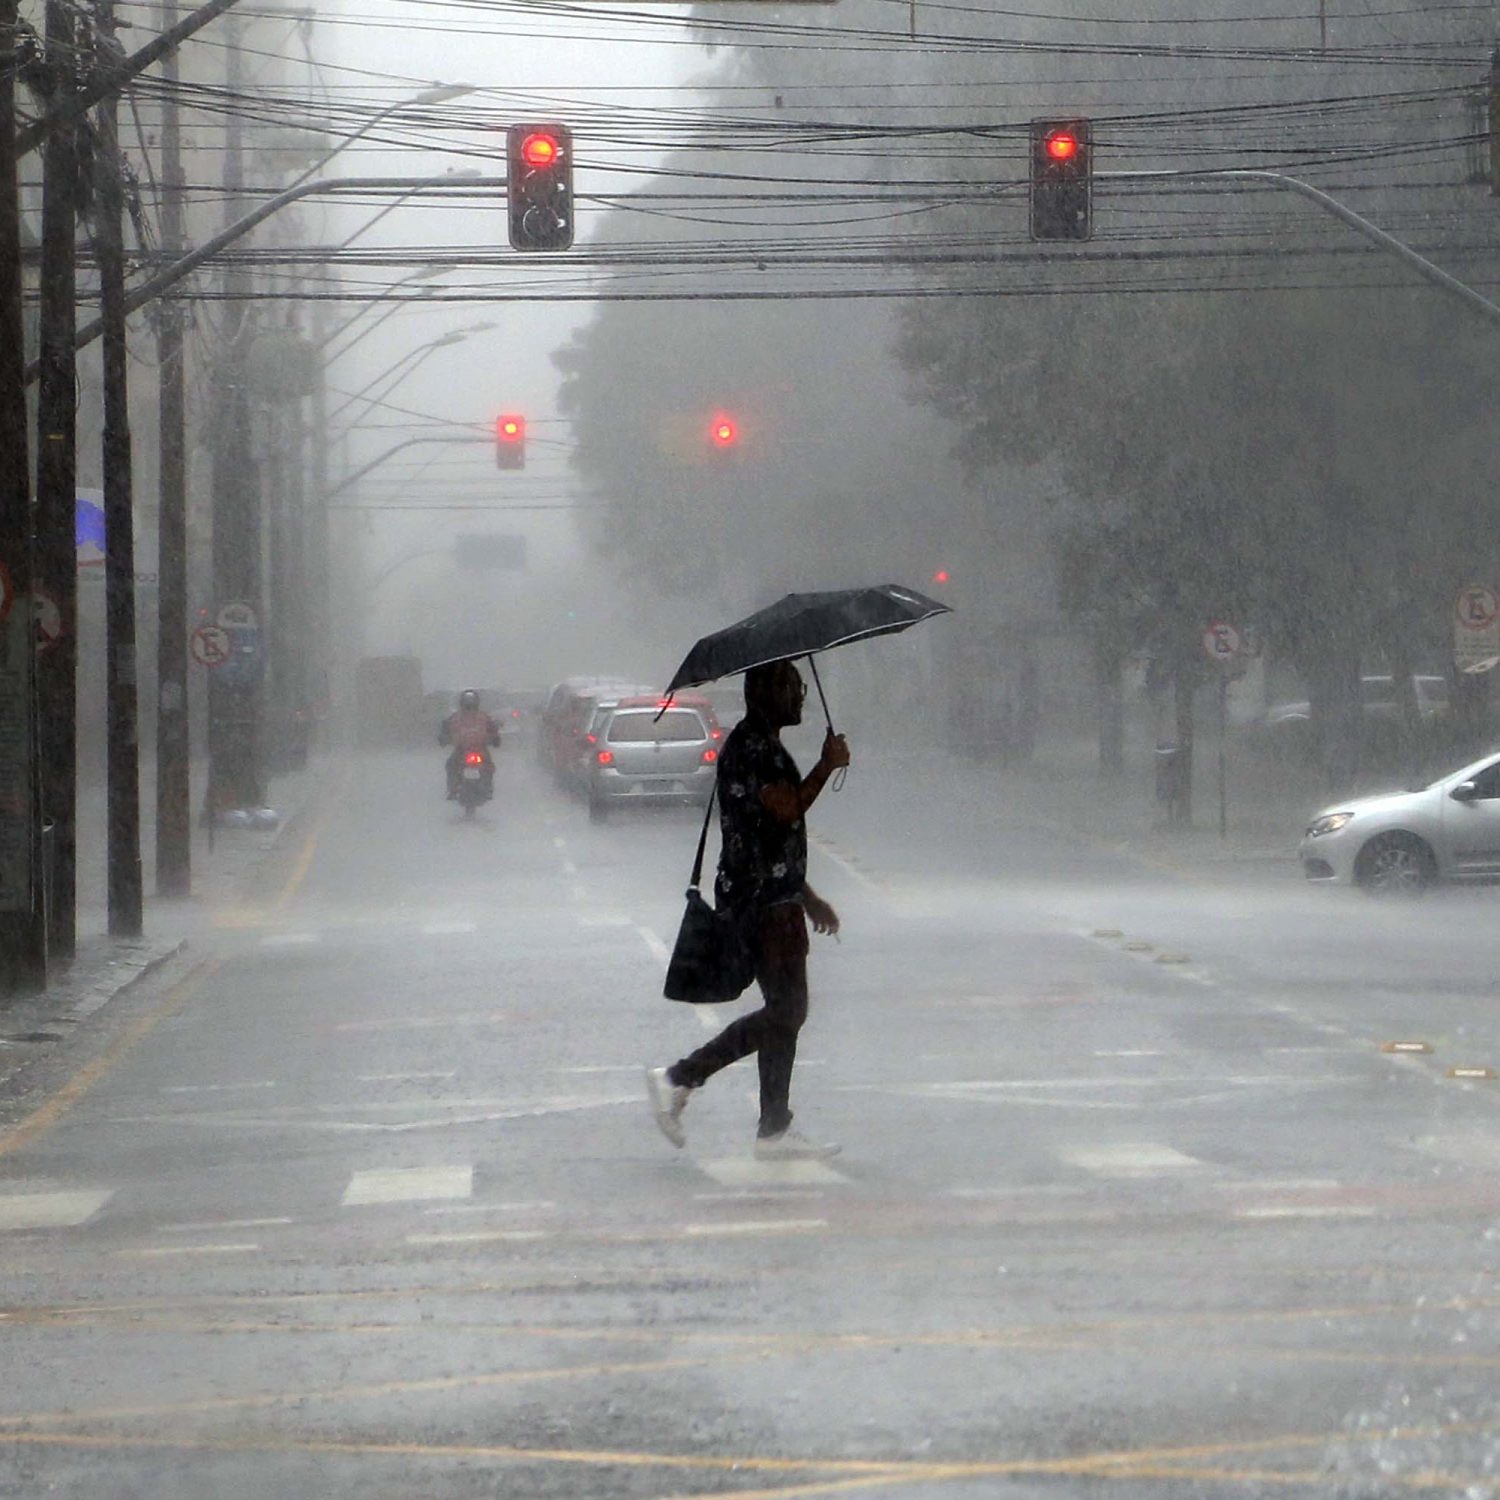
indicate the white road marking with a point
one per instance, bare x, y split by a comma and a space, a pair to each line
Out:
569, 868
605, 921
1280, 1185
757, 1226
1133, 1052
1018, 1190
419, 1023
1129, 1159
158, 1250
480, 1236
746, 1172
217, 1224
58, 1210
828, 851
448, 929
491, 1208
559, 843
758, 1195
408, 1185
659, 950
1306, 1211
217, 1088
708, 1017
290, 939
633, 1068
404, 1077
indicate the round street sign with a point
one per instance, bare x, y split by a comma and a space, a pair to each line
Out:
1222, 642
238, 617
210, 645
1477, 607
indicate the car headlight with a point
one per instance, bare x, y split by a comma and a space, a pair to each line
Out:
1328, 823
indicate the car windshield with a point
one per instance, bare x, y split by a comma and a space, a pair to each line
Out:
641, 726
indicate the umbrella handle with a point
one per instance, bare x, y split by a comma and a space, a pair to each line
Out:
843, 771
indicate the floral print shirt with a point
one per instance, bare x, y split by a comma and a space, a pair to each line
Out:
763, 861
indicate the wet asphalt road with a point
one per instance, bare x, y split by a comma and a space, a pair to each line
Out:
364, 1199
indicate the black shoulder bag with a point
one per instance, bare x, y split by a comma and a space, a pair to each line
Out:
711, 960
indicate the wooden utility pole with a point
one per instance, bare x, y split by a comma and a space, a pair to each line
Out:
57, 479
23, 936
124, 849
173, 765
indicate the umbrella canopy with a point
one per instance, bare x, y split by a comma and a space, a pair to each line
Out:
801, 624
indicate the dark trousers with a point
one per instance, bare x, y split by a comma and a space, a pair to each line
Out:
771, 1031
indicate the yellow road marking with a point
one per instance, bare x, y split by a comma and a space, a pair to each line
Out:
263, 1399
45, 1116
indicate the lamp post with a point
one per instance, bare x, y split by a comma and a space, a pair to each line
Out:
236, 702
412, 358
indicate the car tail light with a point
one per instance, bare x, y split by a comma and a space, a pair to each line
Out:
593, 739
473, 758
710, 756
605, 757
716, 734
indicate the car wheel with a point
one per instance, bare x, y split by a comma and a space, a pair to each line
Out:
1395, 864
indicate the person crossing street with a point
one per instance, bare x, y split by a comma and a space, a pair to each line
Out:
762, 879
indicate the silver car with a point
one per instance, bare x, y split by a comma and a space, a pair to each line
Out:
1406, 841
639, 752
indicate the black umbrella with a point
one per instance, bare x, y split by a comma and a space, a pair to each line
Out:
800, 625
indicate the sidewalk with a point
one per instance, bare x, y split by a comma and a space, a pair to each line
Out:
105, 966
1269, 804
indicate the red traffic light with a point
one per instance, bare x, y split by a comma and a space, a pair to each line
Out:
510, 429
722, 432
941, 576
1062, 145
539, 149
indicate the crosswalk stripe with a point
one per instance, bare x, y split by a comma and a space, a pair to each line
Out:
55, 1210
1129, 1159
747, 1172
408, 1185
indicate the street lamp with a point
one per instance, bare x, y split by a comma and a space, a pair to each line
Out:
439, 93
415, 357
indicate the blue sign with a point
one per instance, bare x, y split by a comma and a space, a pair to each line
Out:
88, 526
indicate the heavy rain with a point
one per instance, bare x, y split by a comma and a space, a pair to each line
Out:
995, 502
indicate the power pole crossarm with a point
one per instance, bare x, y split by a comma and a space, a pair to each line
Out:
170, 275
1330, 205
111, 81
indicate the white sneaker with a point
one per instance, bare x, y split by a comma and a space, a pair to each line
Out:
668, 1100
792, 1145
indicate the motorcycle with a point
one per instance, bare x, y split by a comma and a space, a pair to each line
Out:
476, 781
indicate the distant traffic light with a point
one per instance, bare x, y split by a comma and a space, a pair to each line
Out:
1062, 174
539, 186
941, 576
510, 441
723, 432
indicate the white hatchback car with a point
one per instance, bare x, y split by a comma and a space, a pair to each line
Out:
1405, 841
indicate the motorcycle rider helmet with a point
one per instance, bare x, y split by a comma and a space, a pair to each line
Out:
468, 700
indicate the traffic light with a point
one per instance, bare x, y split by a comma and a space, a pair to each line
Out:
723, 432
510, 441
942, 576
1062, 173
539, 186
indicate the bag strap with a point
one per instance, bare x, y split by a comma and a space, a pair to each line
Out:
708, 813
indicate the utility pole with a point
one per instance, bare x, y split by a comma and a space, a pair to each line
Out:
234, 778
56, 556
173, 763
124, 792
23, 937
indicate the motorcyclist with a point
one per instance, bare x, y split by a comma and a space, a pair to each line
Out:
469, 727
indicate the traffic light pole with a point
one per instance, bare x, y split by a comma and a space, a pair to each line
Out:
173, 776
23, 938
56, 483
1330, 205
